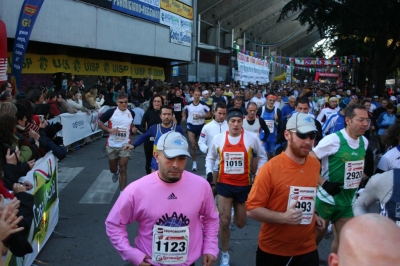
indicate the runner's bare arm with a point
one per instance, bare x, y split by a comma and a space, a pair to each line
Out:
291, 216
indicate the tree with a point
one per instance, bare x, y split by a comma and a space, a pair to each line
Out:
366, 28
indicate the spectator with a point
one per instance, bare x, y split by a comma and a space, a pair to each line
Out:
74, 102
62, 103
6, 96
385, 120
51, 100
108, 98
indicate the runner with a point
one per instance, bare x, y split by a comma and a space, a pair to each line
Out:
342, 155
282, 198
258, 99
170, 230
209, 102
235, 149
331, 109
155, 132
216, 126
119, 127
336, 121
272, 117
384, 188
369, 239
195, 112
218, 97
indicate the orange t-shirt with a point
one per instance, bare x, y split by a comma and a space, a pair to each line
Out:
271, 190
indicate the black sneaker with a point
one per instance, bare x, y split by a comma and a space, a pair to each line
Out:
115, 176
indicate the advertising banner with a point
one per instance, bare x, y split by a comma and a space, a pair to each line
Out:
315, 62
174, 21
27, 17
49, 64
147, 10
44, 178
178, 8
180, 37
78, 126
251, 69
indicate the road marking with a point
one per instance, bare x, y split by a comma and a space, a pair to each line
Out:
102, 190
66, 174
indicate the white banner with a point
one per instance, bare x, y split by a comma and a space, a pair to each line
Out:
180, 37
44, 178
251, 69
78, 126
175, 21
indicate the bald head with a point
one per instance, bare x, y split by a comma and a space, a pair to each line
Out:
368, 239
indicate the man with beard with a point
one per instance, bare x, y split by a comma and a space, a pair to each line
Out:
283, 200
342, 154
155, 131
170, 230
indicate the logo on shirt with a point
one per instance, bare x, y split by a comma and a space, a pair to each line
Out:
203, 135
172, 196
173, 220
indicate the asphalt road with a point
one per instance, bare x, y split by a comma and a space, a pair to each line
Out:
87, 195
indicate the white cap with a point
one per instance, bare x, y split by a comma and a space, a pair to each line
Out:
227, 86
301, 122
392, 98
205, 92
173, 144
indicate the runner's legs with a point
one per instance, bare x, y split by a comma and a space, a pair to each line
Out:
224, 209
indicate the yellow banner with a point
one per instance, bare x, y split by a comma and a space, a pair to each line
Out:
178, 8
49, 64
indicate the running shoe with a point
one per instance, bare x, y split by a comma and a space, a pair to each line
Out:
115, 176
194, 167
224, 260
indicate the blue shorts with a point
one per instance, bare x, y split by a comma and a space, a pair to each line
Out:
269, 146
238, 193
195, 129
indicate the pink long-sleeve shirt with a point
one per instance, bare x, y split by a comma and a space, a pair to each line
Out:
148, 201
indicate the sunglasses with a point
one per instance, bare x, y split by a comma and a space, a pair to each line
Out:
311, 135
123, 102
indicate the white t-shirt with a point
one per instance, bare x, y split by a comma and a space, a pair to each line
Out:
260, 102
194, 111
123, 121
390, 160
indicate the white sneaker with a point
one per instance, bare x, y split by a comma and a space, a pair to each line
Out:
194, 167
115, 176
224, 260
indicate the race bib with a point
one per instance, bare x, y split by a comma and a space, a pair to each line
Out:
233, 163
271, 125
177, 107
305, 197
195, 117
170, 244
121, 135
353, 172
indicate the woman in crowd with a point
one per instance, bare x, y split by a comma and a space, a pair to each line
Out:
151, 117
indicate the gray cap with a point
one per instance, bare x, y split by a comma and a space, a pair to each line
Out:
301, 122
173, 144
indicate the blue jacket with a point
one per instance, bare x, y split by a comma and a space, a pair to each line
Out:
384, 121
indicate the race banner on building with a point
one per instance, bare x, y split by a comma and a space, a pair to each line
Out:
251, 69
175, 21
178, 8
27, 17
44, 178
145, 9
49, 64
